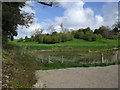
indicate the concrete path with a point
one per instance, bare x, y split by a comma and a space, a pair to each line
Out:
93, 77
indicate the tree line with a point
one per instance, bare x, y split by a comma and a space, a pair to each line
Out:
66, 35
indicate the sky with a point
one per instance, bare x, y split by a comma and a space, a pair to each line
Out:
73, 15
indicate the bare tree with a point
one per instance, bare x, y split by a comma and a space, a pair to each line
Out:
65, 30
37, 31
52, 28
62, 28
117, 24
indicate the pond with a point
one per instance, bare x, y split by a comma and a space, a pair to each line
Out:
88, 57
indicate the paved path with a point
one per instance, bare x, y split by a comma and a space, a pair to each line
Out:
93, 77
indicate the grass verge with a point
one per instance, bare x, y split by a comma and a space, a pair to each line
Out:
58, 65
18, 68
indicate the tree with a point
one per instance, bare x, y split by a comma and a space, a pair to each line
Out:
78, 34
104, 31
99, 37
37, 31
52, 28
115, 30
117, 24
90, 36
65, 30
62, 28
20, 40
26, 39
63, 37
40, 38
87, 36
47, 39
37, 34
87, 30
50, 3
54, 33
69, 36
11, 17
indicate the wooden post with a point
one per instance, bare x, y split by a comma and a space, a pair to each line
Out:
118, 56
102, 58
84, 60
62, 59
49, 59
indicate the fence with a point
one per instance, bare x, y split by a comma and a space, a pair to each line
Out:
101, 58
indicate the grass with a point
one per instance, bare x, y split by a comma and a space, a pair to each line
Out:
75, 44
67, 64
18, 68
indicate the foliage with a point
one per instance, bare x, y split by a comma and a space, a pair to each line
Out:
85, 34
20, 40
78, 34
107, 33
11, 17
99, 37
87, 30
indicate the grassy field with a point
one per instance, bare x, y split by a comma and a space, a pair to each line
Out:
76, 44
75, 53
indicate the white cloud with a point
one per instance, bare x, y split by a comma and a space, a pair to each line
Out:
110, 11
23, 31
26, 31
75, 17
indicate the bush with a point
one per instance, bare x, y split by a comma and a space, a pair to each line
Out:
99, 37
79, 35
55, 38
47, 39
40, 38
20, 40
87, 37
94, 37
63, 37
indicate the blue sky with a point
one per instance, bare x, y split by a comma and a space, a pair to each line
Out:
73, 15
95, 6
44, 12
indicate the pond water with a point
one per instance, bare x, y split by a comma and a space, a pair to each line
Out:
107, 56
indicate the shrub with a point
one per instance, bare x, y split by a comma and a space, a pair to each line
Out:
87, 37
99, 37
40, 38
47, 39
20, 40
79, 35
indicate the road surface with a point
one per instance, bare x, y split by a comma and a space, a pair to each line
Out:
92, 77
